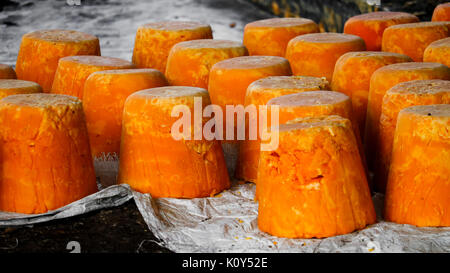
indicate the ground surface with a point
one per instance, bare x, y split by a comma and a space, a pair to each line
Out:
120, 229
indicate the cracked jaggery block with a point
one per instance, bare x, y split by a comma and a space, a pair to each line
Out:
154, 41
441, 13
41, 50
229, 79
370, 26
313, 185
259, 93
190, 62
316, 54
15, 87
316, 104
403, 95
7, 72
438, 52
104, 96
418, 188
352, 77
73, 71
152, 161
381, 81
45, 155
269, 37
412, 39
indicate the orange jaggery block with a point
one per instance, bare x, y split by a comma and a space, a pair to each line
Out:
45, 156
189, 62
73, 71
269, 37
418, 188
7, 72
259, 93
438, 52
403, 95
441, 12
352, 77
412, 39
154, 41
15, 87
316, 104
316, 54
104, 97
41, 50
381, 81
370, 26
313, 185
152, 161
229, 79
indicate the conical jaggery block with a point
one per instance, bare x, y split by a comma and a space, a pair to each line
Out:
104, 96
381, 81
438, 52
40, 52
441, 12
313, 185
269, 37
316, 54
15, 87
403, 95
153, 161
154, 41
189, 62
73, 71
352, 77
229, 79
259, 93
370, 26
45, 156
418, 188
412, 39
7, 72
316, 104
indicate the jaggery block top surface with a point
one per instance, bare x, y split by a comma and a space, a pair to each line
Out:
420, 25
289, 82
434, 110
280, 22
310, 98
97, 61
251, 62
412, 66
15, 84
384, 16
175, 25
421, 87
168, 92
314, 122
373, 54
440, 43
127, 71
208, 43
327, 37
60, 36
39, 100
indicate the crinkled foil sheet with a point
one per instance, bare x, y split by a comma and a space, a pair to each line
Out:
228, 223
